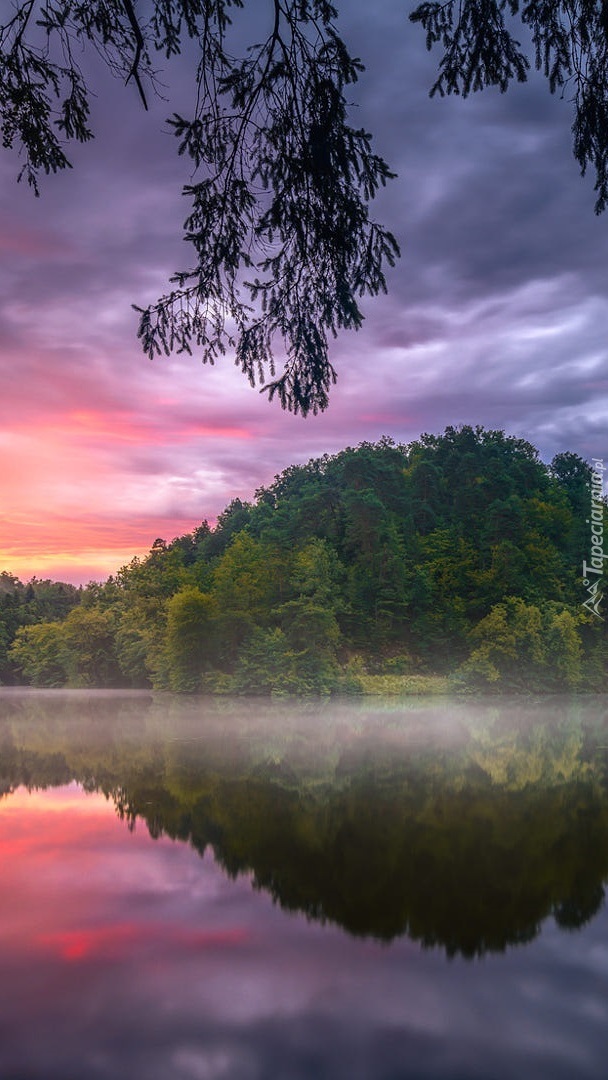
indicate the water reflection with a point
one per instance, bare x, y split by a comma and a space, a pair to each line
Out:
463, 827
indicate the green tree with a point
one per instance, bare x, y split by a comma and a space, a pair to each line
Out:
234, 519
138, 645
526, 647
88, 648
26, 605
137, 596
573, 477
190, 639
284, 245
509, 643
564, 648
38, 652
11, 618
50, 600
313, 634
443, 596
246, 585
267, 664
378, 587
332, 559
309, 620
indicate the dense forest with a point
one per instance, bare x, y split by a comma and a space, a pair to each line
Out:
456, 559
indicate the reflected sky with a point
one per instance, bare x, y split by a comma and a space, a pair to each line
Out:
125, 955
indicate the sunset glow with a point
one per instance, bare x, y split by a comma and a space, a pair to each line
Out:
496, 314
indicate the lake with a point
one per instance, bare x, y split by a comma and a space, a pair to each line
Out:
246, 889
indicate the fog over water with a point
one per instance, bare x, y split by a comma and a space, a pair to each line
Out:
251, 889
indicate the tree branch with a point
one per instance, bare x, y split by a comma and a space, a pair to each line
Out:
139, 45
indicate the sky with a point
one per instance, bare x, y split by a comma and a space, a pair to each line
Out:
496, 313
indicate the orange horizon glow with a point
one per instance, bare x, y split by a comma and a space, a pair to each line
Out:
86, 490
96, 550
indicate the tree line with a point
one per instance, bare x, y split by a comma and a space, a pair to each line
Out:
457, 555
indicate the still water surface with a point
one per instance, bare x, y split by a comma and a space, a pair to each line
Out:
250, 890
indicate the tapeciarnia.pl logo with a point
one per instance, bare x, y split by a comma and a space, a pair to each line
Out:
593, 571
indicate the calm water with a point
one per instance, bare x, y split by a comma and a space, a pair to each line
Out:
206, 890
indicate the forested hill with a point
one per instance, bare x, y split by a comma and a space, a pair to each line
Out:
458, 554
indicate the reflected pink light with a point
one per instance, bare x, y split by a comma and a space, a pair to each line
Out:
123, 940
71, 886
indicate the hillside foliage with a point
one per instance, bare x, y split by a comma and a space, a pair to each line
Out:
457, 555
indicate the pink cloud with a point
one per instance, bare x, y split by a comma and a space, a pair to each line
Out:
18, 239
130, 427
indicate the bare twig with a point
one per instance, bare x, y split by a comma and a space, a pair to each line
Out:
139, 45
